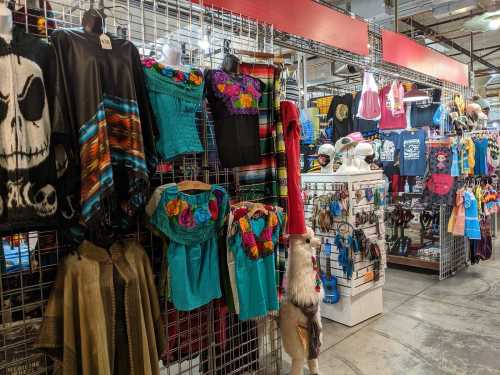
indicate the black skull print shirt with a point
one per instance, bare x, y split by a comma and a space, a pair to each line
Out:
28, 198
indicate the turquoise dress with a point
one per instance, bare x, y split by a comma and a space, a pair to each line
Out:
175, 98
472, 228
192, 223
255, 273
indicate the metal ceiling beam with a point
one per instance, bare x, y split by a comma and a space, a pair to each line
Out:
431, 33
461, 18
491, 52
408, 20
482, 49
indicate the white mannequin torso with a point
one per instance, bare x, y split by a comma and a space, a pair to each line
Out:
172, 57
5, 22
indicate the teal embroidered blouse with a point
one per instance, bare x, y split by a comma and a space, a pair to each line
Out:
255, 274
192, 223
175, 98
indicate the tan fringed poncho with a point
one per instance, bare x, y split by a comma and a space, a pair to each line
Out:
80, 325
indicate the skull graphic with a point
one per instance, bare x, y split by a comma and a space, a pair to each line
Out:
24, 116
45, 201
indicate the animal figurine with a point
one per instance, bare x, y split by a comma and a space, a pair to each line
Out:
300, 318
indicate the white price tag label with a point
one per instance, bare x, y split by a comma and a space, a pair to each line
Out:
105, 41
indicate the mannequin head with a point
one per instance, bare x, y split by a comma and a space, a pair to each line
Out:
171, 54
231, 64
361, 151
326, 155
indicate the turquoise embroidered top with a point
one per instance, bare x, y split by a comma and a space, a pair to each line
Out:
191, 222
175, 97
255, 271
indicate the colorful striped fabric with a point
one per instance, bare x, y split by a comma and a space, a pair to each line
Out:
112, 139
267, 182
259, 182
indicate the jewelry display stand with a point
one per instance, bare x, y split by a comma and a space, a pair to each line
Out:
361, 295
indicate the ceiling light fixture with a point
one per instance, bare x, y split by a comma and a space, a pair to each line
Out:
494, 23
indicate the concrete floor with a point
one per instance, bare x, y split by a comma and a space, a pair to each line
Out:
428, 327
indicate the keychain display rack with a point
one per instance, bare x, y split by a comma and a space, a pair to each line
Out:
361, 292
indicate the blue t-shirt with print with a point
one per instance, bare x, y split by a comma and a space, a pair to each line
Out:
412, 153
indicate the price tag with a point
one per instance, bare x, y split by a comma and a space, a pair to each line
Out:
105, 41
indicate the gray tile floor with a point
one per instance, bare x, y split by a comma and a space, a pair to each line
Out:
428, 327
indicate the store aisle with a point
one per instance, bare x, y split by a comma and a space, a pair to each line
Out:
429, 327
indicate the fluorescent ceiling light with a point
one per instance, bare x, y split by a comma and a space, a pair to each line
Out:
494, 23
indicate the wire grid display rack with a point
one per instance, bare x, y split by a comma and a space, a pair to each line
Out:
208, 340
454, 249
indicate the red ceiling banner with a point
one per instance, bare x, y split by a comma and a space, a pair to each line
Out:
304, 18
400, 50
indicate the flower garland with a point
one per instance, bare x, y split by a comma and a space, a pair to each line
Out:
262, 245
192, 78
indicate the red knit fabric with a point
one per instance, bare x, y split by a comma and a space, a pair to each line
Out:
291, 129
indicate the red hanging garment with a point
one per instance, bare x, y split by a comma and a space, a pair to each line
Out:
291, 128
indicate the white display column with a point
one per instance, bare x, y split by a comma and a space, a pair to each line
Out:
361, 295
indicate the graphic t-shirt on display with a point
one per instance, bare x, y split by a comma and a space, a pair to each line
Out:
388, 151
422, 114
388, 120
412, 153
340, 113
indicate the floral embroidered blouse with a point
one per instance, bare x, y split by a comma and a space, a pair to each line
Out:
252, 243
175, 97
191, 222
234, 102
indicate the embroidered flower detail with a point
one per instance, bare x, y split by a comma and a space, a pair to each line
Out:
268, 245
195, 78
232, 89
254, 251
148, 62
173, 207
167, 72
273, 219
267, 234
245, 225
192, 78
253, 91
246, 101
239, 213
186, 218
248, 239
240, 94
214, 208
221, 87
201, 216
179, 76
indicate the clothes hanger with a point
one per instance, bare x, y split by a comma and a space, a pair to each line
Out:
258, 207
193, 185
93, 20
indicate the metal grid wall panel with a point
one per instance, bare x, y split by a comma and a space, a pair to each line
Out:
208, 340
